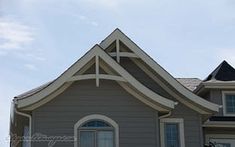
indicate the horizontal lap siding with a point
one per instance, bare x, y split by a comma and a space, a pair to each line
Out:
141, 76
192, 125
137, 122
192, 119
216, 97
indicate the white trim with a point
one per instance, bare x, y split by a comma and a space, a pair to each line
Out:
82, 77
124, 54
117, 34
93, 76
99, 117
59, 81
48, 98
96, 51
118, 50
214, 85
224, 102
97, 71
219, 83
219, 124
222, 136
142, 98
140, 87
218, 136
135, 93
180, 121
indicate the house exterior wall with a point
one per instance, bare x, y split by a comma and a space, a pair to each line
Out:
142, 77
192, 119
216, 97
192, 125
138, 123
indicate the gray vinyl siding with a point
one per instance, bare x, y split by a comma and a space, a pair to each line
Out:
192, 119
141, 76
192, 125
138, 123
216, 97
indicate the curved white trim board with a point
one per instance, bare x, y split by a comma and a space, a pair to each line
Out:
99, 117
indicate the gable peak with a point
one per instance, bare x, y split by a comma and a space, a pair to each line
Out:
224, 72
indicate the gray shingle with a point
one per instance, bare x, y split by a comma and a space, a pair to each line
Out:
190, 83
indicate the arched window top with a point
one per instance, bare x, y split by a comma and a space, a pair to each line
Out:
103, 127
96, 124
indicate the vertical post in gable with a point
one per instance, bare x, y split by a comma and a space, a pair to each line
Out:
118, 50
97, 70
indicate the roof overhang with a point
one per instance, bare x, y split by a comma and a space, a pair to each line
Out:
204, 86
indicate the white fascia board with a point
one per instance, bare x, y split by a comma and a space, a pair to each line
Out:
214, 85
219, 124
117, 34
219, 84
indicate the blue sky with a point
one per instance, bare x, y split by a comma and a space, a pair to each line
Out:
39, 39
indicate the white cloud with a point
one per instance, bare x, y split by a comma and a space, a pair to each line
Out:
14, 35
86, 20
30, 67
30, 56
94, 23
35, 57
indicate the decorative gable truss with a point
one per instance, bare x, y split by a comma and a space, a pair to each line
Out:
156, 72
105, 68
99, 63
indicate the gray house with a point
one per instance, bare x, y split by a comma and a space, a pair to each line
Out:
118, 96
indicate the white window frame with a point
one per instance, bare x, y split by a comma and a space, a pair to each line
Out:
224, 102
179, 121
98, 117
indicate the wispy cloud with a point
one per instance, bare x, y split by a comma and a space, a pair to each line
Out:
31, 67
30, 56
86, 20
14, 35
15, 39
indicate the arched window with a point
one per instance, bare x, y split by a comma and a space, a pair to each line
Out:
96, 131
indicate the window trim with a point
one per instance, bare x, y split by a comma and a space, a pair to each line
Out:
218, 136
180, 122
224, 102
97, 117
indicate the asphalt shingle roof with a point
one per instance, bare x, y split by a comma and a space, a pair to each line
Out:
190, 83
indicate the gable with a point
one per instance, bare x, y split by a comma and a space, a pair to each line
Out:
223, 77
224, 72
158, 74
115, 72
99, 64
